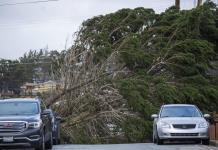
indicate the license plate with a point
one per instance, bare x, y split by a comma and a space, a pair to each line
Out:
8, 139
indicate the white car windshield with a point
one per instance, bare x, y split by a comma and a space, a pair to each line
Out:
180, 111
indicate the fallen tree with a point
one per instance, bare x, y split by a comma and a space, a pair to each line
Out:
123, 66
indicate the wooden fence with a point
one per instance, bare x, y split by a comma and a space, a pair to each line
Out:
214, 127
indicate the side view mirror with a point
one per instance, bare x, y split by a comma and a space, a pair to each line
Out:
45, 112
60, 119
207, 116
154, 116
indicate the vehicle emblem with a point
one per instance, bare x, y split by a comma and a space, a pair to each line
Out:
183, 126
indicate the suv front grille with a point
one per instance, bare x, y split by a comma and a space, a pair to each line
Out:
184, 126
184, 134
12, 126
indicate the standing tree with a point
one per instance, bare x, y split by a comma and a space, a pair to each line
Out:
12, 76
177, 3
199, 2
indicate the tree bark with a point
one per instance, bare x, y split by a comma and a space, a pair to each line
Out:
199, 3
177, 3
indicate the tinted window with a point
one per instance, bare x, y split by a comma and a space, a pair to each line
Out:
180, 111
19, 108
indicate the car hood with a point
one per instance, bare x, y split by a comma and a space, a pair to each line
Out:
27, 118
183, 120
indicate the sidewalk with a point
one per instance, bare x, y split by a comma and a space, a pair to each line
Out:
214, 143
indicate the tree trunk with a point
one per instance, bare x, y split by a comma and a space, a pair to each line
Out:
177, 3
199, 3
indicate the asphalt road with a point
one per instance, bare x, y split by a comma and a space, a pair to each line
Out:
134, 147
147, 146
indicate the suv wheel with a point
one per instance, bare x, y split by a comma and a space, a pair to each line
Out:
42, 144
49, 143
206, 141
56, 141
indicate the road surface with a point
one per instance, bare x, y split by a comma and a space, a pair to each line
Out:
134, 147
148, 146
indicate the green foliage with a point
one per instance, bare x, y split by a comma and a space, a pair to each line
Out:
136, 129
202, 50
12, 76
167, 94
136, 90
133, 56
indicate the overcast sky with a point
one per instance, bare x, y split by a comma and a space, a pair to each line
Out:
51, 24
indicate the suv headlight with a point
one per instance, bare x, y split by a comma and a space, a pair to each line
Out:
35, 125
203, 125
164, 125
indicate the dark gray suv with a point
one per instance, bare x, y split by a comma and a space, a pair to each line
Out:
25, 123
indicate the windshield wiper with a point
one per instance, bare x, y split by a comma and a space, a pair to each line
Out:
14, 114
164, 116
185, 116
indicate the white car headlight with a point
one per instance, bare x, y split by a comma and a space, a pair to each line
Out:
164, 125
203, 125
35, 124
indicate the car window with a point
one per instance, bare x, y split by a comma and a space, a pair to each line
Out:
180, 111
19, 108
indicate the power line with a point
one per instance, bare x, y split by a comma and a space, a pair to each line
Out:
33, 63
23, 3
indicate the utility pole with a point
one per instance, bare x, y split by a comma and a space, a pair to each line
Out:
177, 3
199, 3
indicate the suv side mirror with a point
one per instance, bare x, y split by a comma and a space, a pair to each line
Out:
207, 116
154, 116
45, 112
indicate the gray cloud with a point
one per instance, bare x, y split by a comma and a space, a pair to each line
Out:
35, 26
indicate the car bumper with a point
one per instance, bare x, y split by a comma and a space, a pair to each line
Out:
197, 133
28, 138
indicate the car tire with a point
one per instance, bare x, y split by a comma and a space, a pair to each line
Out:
159, 141
56, 141
42, 143
59, 141
58, 133
206, 141
49, 143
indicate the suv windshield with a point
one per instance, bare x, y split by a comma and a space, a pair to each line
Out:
180, 111
19, 108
